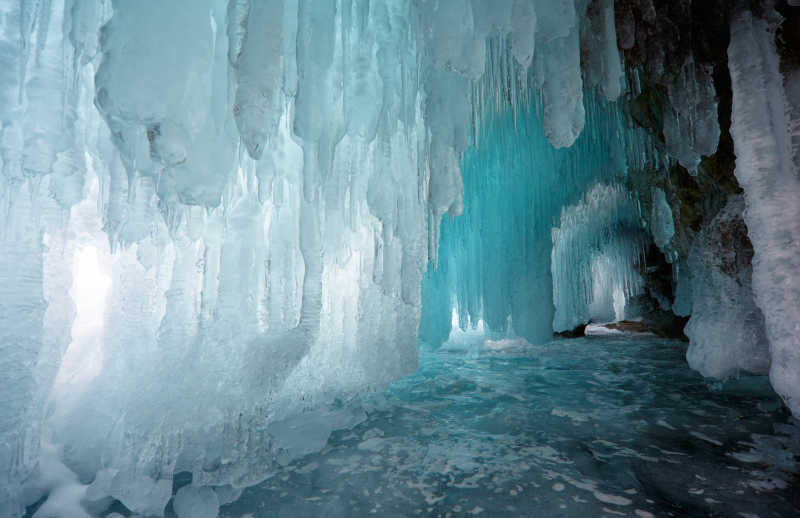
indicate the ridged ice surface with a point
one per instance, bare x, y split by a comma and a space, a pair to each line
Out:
765, 128
584, 427
726, 328
219, 212
598, 250
494, 261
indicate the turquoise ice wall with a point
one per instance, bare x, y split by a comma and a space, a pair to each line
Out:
494, 260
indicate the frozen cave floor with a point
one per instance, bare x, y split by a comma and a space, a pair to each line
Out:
595, 426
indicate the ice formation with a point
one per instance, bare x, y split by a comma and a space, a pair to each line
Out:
253, 189
691, 130
515, 185
766, 118
243, 283
726, 328
662, 223
598, 248
217, 217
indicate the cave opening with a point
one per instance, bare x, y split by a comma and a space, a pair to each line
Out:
399, 258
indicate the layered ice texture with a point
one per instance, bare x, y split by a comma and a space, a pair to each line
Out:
766, 132
216, 217
726, 327
494, 261
601, 241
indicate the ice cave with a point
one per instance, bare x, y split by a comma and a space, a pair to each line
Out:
399, 258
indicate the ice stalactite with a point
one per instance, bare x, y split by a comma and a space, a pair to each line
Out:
602, 65
255, 52
691, 127
662, 223
495, 260
527, 96
765, 128
557, 69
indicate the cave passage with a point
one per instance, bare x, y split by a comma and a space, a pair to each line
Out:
399, 258
547, 235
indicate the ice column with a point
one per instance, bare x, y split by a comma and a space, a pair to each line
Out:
765, 122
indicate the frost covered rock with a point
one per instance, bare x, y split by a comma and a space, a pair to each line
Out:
726, 328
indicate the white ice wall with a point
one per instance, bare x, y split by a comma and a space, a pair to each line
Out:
261, 185
765, 128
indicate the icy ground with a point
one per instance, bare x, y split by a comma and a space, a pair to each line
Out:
600, 426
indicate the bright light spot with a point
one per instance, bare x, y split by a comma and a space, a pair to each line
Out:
619, 303
89, 289
83, 359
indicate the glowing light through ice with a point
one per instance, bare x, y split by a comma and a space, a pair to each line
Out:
89, 289
83, 359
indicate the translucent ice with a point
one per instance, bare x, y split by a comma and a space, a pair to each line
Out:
661, 222
495, 260
597, 248
602, 65
691, 129
726, 328
233, 287
557, 69
256, 57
